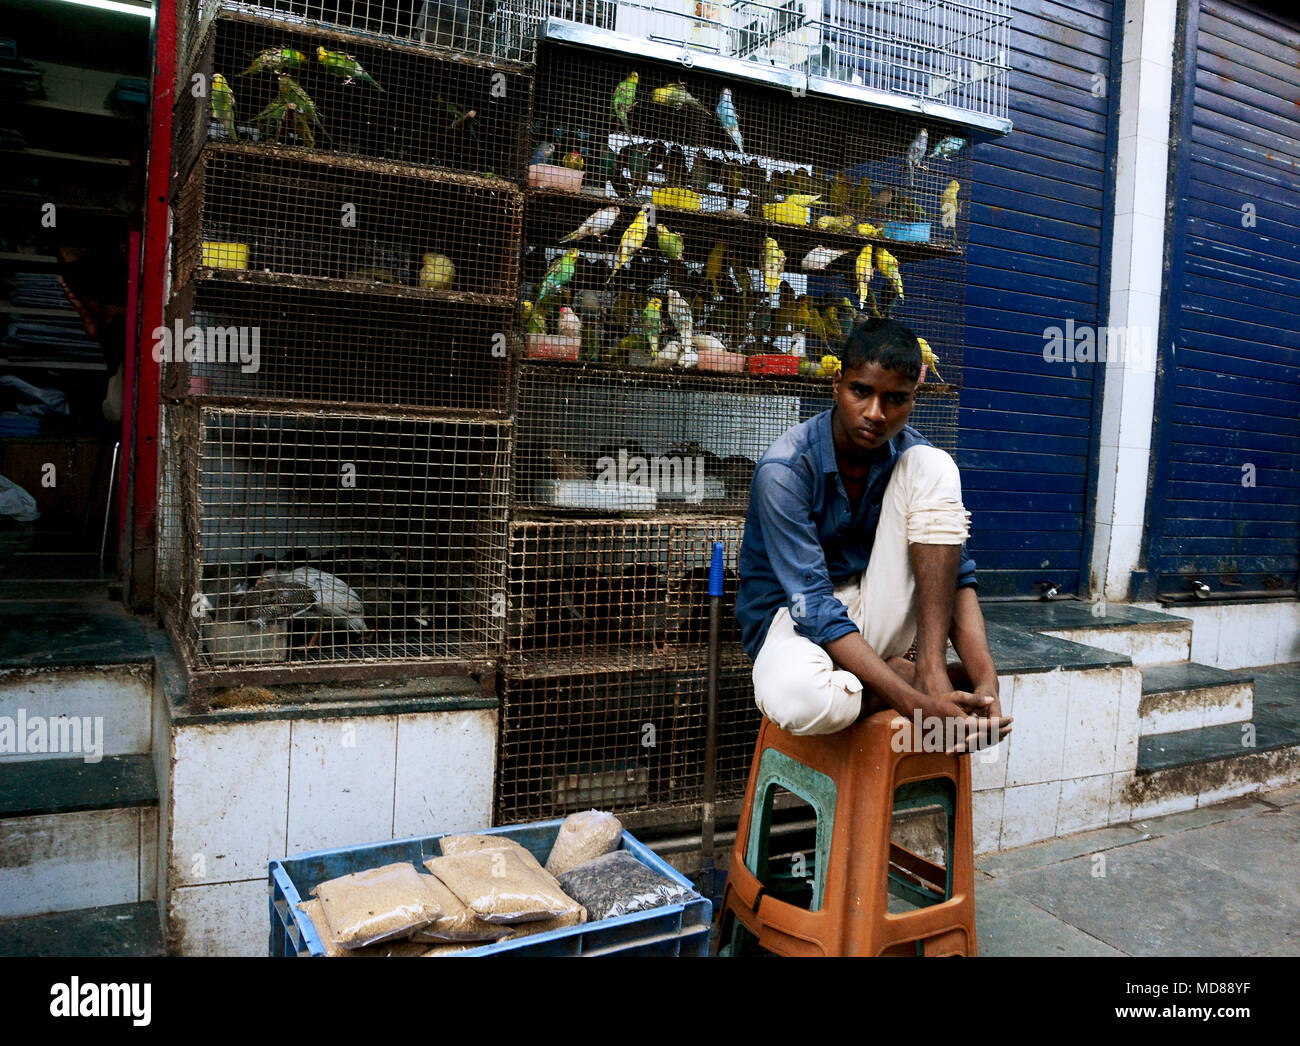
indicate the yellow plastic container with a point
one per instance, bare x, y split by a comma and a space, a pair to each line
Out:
225, 255
682, 199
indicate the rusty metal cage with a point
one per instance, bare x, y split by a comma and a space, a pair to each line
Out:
481, 28
284, 85
675, 242
605, 592
593, 438
307, 545
247, 336
618, 740
356, 223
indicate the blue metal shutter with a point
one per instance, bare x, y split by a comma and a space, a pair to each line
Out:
1036, 258
1230, 391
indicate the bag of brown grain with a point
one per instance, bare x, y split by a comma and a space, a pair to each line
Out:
333, 950
454, 845
457, 921
583, 836
499, 886
378, 904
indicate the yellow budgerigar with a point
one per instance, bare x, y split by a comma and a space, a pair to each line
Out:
633, 237
948, 203
929, 358
773, 264
862, 270
888, 265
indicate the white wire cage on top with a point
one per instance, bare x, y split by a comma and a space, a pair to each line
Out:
916, 54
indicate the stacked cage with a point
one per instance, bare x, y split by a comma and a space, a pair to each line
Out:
337, 436
696, 249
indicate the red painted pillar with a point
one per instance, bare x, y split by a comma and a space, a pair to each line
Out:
141, 375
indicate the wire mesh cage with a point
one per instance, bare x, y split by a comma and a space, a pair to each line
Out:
746, 234
593, 438
261, 81
482, 28
452, 236
387, 346
597, 593
618, 741
300, 542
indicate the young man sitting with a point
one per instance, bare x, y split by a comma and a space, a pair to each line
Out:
855, 546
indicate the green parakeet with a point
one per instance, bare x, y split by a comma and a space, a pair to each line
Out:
677, 96
223, 105
625, 98
275, 60
560, 273
651, 320
670, 242
346, 66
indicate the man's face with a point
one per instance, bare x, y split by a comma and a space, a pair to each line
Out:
872, 404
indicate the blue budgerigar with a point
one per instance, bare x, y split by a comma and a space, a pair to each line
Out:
728, 117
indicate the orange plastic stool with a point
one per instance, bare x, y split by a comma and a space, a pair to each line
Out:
859, 773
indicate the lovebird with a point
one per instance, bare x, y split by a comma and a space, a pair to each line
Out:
949, 198
929, 358
276, 60
820, 257
680, 313
633, 237
625, 98
573, 161
670, 242
560, 273
596, 224
862, 271
773, 264
729, 119
346, 66
916, 154
437, 272
888, 265
947, 148
223, 104
651, 321
677, 96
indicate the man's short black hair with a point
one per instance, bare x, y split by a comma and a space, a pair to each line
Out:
886, 342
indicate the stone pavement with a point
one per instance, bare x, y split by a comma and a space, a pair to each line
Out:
1220, 880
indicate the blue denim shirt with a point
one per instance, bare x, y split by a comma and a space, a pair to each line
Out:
803, 538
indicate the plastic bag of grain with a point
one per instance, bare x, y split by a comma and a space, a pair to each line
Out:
333, 950
499, 886
583, 836
617, 883
457, 921
378, 904
454, 845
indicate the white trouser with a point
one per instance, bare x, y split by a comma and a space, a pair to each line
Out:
796, 684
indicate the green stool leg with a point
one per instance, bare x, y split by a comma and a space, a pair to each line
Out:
776, 769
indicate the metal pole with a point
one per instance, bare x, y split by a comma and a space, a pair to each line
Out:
710, 740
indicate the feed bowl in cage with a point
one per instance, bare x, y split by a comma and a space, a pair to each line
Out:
774, 363
721, 360
552, 347
217, 255
242, 642
681, 199
551, 176
906, 232
597, 495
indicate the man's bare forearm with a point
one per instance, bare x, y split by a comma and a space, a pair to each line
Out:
853, 654
971, 641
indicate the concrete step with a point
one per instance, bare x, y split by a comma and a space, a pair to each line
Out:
1146, 636
1188, 696
112, 932
75, 834
1185, 769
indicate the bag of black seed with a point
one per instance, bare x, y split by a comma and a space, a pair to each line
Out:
617, 883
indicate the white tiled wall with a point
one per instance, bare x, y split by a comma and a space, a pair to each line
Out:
1242, 635
118, 696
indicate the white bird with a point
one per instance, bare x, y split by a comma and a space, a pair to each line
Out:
568, 325
680, 313
820, 257
596, 224
322, 595
669, 353
708, 343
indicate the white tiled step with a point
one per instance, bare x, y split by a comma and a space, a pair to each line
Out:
110, 703
1186, 696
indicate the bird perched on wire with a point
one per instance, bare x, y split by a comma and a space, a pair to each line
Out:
542, 154
560, 272
929, 358
310, 593
633, 237
346, 66
276, 60
819, 257
651, 321
729, 118
625, 98
947, 148
292, 101
676, 96
568, 325
948, 200
773, 264
888, 266
916, 154
862, 272
596, 224
670, 243
223, 105
680, 313
573, 161
437, 273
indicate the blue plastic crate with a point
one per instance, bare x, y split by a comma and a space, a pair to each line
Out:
674, 929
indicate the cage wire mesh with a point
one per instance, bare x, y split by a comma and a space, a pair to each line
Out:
310, 540
619, 741
601, 592
680, 250
452, 236
269, 340
480, 28
260, 81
